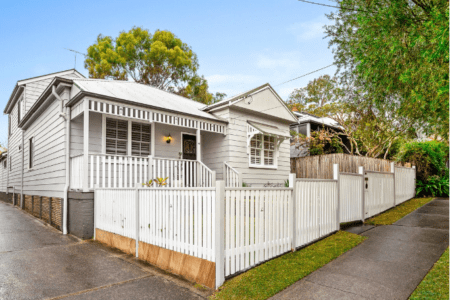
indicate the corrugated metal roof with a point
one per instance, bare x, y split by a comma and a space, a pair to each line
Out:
141, 93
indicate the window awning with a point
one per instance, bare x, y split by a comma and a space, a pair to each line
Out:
268, 129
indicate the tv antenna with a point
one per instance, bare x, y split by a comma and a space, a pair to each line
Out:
76, 52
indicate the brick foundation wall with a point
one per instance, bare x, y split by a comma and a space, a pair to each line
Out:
48, 209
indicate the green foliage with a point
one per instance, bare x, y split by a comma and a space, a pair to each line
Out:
286, 183
318, 97
271, 277
148, 184
320, 142
245, 184
161, 60
436, 186
436, 284
161, 181
429, 158
396, 52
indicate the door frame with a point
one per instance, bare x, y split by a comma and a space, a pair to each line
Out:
182, 142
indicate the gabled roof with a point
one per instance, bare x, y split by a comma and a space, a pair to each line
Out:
20, 85
132, 92
265, 88
243, 95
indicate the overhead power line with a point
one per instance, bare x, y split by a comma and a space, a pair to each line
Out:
344, 8
304, 75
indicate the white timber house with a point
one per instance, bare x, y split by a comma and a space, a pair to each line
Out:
68, 134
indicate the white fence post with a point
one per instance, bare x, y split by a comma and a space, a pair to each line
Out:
219, 218
95, 213
136, 195
338, 210
415, 177
150, 168
292, 184
363, 204
393, 172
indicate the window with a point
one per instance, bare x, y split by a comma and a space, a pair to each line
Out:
31, 153
5, 164
116, 136
9, 124
140, 139
10, 162
262, 151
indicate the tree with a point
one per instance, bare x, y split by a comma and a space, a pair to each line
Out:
161, 60
318, 97
397, 51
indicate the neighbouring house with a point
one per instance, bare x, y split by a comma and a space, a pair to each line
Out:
305, 124
68, 134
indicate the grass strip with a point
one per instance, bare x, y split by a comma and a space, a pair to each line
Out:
394, 214
435, 284
275, 275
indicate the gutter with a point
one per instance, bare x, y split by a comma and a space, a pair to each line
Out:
66, 117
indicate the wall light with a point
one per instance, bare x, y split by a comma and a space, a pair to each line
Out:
168, 139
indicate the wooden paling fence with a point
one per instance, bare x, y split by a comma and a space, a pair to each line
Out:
237, 228
321, 166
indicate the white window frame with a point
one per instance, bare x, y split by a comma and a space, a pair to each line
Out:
275, 153
31, 152
129, 137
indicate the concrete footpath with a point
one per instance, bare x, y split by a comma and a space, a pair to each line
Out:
38, 262
388, 265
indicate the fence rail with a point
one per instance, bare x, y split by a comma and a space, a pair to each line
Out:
231, 176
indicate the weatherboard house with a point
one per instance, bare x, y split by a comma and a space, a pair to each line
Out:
68, 135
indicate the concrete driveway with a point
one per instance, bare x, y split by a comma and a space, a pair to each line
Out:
38, 262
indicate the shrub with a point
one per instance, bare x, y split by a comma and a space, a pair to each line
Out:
434, 185
429, 158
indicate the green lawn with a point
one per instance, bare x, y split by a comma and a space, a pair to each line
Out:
274, 276
394, 214
435, 284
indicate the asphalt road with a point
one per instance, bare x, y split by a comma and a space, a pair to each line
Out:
38, 262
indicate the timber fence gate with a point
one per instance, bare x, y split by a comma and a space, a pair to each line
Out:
237, 228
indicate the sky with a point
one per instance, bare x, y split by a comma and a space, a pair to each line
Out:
240, 44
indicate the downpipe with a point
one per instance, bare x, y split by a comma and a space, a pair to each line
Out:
66, 117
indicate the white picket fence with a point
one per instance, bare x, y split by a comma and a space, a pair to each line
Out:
256, 226
316, 209
379, 193
179, 219
238, 228
351, 197
405, 184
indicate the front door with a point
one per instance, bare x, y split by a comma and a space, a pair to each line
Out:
189, 147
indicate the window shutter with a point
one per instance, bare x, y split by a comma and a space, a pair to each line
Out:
116, 136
